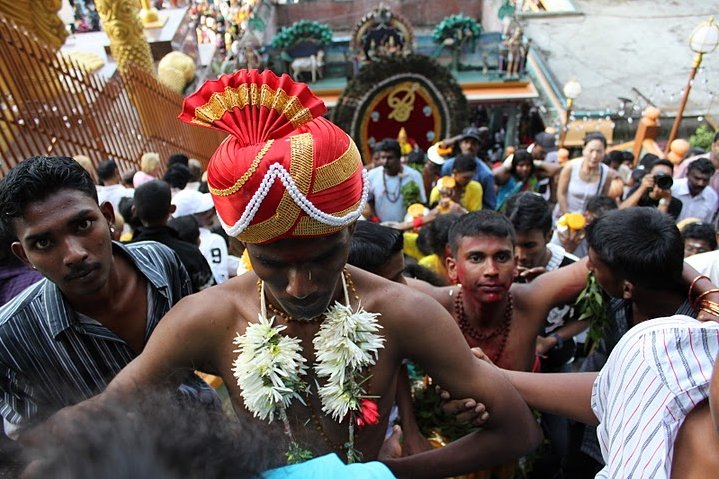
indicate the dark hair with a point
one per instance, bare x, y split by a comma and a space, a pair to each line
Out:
599, 205
663, 162
106, 170
627, 156
417, 157
480, 223
152, 202
648, 160
529, 211
615, 156
177, 159
373, 245
127, 177
418, 271
702, 165
438, 232
177, 176
125, 209
640, 245
521, 156
700, 231
389, 144
464, 163
187, 227
153, 435
36, 179
595, 135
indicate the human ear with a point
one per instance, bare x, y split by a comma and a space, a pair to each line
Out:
19, 251
451, 266
108, 212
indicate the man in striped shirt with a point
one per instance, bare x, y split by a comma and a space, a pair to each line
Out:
63, 339
649, 400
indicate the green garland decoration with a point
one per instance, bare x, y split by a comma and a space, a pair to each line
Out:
592, 305
303, 30
449, 26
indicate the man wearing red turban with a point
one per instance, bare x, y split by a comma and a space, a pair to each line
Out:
288, 336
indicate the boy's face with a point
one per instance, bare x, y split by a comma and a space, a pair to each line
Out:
66, 237
484, 266
531, 248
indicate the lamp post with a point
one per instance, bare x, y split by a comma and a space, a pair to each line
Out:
572, 89
704, 39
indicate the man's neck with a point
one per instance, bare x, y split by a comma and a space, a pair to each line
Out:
484, 314
654, 304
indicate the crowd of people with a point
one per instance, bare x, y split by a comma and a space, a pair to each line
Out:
328, 296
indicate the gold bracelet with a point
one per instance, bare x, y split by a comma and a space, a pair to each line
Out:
694, 282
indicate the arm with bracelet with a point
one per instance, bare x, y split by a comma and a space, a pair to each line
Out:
703, 294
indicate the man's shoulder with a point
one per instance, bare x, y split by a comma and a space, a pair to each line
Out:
27, 306
148, 250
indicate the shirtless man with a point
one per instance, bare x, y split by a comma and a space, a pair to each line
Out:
501, 317
297, 231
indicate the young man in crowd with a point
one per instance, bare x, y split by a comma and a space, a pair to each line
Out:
467, 192
531, 217
390, 183
291, 193
470, 143
698, 201
64, 338
492, 311
655, 190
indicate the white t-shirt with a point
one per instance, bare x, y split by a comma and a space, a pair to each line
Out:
214, 249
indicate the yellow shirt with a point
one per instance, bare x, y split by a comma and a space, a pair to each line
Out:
471, 199
434, 263
410, 245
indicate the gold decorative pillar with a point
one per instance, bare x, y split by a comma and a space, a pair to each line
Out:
38, 17
123, 27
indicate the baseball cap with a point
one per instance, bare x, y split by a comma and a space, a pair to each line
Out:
190, 202
471, 132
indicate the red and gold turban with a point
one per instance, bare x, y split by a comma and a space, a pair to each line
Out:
283, 171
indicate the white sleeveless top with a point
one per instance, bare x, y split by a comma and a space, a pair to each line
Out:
579, 192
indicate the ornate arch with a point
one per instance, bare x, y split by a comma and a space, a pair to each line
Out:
413, 92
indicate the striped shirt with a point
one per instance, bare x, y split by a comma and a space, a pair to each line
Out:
658, 372
52, 357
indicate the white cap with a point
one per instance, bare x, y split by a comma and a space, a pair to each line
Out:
434, 156
190, 202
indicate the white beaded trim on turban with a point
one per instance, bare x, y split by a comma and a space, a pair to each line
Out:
278, 171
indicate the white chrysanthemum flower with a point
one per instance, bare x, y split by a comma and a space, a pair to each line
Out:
346, 343
268, 368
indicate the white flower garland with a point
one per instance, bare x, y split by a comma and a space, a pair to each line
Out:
270, 366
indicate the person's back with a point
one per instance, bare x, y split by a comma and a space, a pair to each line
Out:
153, 208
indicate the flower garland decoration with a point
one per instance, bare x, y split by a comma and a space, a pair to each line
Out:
269, 369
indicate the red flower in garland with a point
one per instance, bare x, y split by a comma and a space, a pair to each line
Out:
368, 413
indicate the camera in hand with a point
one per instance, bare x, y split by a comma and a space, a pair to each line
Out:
663, 181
